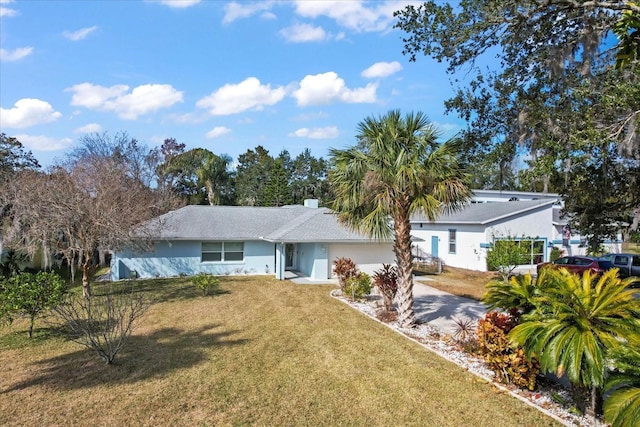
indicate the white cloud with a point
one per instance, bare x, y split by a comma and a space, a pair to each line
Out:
236, 98
447, 129
5, 11
354, 15
381, 69
79, 34
217, 131
328, 132
177, 4
141, 100
44, 143
16, 54
235, 10
299, 33
89, 128
28, 112
328, 87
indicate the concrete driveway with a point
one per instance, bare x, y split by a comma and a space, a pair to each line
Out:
440, 309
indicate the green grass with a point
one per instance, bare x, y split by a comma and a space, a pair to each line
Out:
260, 352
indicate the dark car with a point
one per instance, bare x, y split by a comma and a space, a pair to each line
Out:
577, 264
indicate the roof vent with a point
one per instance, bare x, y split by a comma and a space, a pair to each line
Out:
311, 203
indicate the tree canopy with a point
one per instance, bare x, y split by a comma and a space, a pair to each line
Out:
546, 82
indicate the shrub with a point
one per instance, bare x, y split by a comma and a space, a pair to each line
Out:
358, 286
102, 323
509, 362
386, 280
344, 268
30, 295
206, 283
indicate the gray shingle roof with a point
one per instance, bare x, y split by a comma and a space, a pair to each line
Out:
485, 213
281, 224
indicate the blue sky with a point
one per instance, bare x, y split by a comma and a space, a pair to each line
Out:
226, 76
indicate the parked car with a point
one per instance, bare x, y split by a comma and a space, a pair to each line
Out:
628, 264
577, 264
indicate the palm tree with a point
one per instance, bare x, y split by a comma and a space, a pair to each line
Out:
396, 169
576, 324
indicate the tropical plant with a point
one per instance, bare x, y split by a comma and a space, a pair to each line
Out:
520, 295
509, 362
622, 404
576, 323
386, 280
397, 169
344, 268
30, 295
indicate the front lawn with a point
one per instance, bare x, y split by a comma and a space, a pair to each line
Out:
259, 352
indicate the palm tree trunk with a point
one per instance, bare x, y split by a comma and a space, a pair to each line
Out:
211, 197
402, 249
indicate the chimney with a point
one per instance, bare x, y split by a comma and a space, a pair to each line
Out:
311, 203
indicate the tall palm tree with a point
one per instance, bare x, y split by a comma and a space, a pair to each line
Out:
577, 323
396, 169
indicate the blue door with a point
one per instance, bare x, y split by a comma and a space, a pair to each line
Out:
434, 246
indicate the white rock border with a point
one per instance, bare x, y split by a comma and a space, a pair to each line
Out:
432, 339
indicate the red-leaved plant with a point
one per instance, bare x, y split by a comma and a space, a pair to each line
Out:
344, 268
386, 280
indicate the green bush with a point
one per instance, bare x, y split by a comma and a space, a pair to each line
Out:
358, 286
206, 283
555, 253
509, 362
30, 295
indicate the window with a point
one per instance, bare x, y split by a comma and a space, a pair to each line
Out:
532, 250
452, 241
222, 251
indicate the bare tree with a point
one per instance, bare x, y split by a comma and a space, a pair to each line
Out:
102, 323
82, 209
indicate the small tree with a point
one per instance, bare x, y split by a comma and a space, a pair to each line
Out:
102, 323
358, 286
386, 280
505, 254
30, 295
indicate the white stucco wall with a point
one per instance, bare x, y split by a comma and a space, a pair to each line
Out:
368, 257
175, 258
472, 239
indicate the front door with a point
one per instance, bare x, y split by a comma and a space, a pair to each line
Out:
434, 246
290, 255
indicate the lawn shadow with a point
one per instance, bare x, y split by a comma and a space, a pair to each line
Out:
160, 290
142, 357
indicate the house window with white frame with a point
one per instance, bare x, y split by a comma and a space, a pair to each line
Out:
222, 251
452, 241
535, 248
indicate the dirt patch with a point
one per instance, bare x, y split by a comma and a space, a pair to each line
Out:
458, 281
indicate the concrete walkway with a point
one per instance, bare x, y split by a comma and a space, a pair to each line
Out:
432, 306
440, 309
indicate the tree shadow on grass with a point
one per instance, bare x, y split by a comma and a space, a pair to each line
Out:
143, 357
159, 290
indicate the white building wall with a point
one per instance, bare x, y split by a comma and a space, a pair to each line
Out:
368, 257
472, 240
